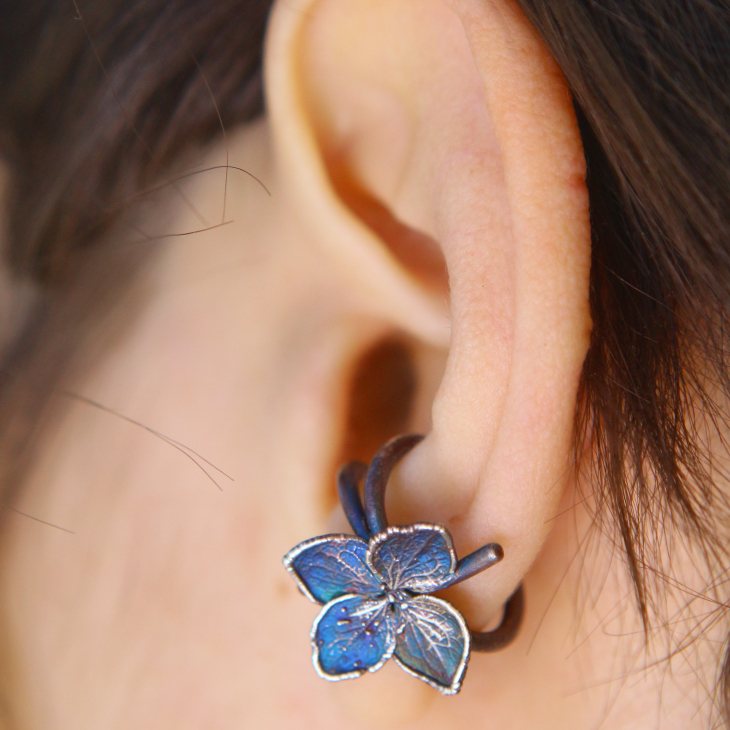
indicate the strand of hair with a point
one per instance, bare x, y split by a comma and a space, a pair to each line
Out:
181, 447
38, 519
223, 130
132, 127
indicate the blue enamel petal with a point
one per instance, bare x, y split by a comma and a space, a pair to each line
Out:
433, 642
352, 635
331, 566
417, 557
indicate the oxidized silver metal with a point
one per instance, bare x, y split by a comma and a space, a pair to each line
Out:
374, 589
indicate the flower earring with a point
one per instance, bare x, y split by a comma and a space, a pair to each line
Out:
374, 587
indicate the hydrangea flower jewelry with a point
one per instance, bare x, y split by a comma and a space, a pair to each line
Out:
374, 588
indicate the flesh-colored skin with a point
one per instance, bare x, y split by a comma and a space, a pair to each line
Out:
168, 606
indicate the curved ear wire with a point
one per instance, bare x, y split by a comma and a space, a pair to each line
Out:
377, 479
375, 517
348, 481
376, 482
505, 633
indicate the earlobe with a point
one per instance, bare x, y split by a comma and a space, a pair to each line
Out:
454, 126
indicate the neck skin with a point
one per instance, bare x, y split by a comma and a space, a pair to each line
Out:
168, 605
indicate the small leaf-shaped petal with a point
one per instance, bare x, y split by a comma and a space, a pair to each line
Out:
418, 557
352, 635
330, 566
433, 642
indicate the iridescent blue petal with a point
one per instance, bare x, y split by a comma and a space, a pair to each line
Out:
417, 557
353, 635
332, 565
433, 642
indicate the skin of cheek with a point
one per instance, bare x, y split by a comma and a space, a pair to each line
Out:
168, 606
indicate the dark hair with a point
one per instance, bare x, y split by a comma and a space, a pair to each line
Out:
124, 97
650, 84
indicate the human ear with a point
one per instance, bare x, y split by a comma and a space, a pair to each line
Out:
407, 130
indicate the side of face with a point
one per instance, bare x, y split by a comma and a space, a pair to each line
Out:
428, 226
